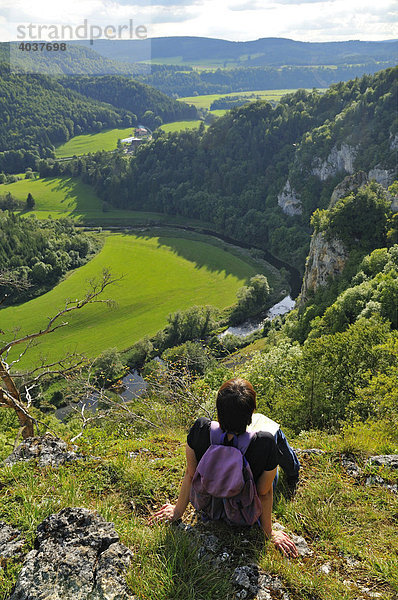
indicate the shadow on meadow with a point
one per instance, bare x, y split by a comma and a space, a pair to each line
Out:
215, 256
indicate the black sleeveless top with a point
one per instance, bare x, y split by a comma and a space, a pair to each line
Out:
261, 454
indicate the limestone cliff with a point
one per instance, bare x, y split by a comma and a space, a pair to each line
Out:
339, 159
348, 185
327, 258
290, 201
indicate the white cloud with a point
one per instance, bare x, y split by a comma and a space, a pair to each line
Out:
307, 20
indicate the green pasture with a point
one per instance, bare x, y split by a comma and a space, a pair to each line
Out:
180, 126
58, 197
160, 275
93, 142
206, 100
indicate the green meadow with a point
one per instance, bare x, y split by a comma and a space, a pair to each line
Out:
206, 100
180, 126
160, 275
83, 144
58, 197
107, 140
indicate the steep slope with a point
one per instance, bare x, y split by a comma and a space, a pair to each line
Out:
130, 95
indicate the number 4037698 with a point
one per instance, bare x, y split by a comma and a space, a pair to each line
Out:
42, 46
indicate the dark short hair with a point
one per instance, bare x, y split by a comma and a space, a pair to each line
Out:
236, 402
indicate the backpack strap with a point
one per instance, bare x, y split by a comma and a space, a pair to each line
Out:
241, 441
216, 434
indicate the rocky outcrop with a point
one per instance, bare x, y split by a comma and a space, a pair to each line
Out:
77, 556
394, 142
339, 159
11, 542
382, 176
384, 460
252, 582
351, 183
48, 450
389, 461
290, 201
327, 258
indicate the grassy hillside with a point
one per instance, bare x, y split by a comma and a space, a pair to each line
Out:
92, 142
58, 197
180, 126
348, 526
161, 275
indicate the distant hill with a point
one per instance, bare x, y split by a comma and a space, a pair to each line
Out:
75, 60
189, 82
262, 52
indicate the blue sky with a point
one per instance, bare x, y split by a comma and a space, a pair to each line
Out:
306, 20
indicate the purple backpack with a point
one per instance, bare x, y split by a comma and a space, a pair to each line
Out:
223, 486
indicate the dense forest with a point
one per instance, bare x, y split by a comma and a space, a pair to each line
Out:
189, 82
37, 112
233, 173
124, 93
34, 254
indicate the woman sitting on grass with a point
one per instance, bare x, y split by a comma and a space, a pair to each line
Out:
236, 402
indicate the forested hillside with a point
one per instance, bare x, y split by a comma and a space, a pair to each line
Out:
258, 173
188, 82
35, 255
74, 60
133, 96
37, 112
264, 51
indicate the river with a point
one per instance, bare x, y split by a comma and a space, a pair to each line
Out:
133, 383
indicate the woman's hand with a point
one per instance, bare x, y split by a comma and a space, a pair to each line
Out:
168, 513
283, 542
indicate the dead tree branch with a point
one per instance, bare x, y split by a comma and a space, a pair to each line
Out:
9, 392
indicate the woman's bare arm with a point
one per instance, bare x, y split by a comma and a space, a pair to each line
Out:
172, 512
265, 491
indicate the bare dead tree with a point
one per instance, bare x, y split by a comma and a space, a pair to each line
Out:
10, 394
174, 383
84, 391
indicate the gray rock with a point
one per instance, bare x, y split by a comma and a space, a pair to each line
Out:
349, 184
77, 556
48, 450
384, 460
309, 451
339, 159
256, 583
290, 201
301, 545
382, 176
326, 568
327, 258
11, 542
352, 562
350, 466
